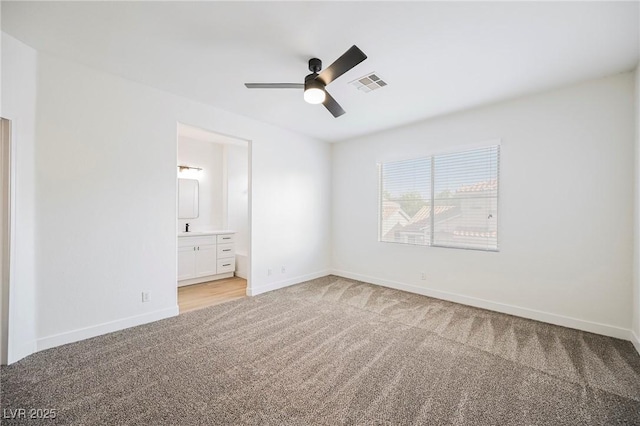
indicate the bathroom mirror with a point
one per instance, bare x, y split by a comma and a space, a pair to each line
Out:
188, 199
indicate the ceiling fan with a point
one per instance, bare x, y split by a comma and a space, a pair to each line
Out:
314, 84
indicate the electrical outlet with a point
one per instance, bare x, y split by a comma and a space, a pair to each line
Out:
269, 271
146, 296
423, 276
283, 270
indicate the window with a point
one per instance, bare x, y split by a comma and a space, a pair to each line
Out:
448, 200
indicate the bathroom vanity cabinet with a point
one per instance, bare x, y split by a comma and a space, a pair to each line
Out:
205, 256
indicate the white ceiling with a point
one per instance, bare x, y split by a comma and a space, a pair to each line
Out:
436, 57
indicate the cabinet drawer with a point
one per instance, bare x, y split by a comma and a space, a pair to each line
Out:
226, 238
226, 250
201, 240
226, 265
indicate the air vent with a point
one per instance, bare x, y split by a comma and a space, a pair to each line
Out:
368, 82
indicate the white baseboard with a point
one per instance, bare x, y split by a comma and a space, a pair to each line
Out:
17, 352
255, 290
635, 340
107, 327
592, 327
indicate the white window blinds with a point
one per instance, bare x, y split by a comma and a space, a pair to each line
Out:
448, 200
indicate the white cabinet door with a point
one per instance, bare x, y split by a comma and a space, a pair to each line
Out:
186, 263
206, 262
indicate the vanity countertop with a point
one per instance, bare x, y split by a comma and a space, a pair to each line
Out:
202, 233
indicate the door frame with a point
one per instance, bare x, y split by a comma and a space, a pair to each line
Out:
6, 192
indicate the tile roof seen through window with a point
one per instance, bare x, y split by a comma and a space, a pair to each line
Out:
488, 185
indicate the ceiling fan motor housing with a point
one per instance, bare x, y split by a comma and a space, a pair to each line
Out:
315, 65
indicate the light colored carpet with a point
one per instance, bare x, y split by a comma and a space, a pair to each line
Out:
334, 351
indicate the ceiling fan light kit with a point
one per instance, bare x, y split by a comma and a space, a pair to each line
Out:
314, 92
315, 84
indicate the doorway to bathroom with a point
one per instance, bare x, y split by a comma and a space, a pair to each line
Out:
214, 223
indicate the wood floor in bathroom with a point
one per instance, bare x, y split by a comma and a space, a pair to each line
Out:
199, 296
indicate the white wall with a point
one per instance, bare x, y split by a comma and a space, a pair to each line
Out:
105, 155
566, 201
19, 67
290, 205
208, 156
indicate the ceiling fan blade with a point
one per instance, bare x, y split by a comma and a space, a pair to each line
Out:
344, 63
274, 85
333, 106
